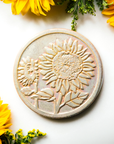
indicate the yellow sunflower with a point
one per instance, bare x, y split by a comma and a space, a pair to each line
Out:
66, 66
4, 118
110, 12
36, 6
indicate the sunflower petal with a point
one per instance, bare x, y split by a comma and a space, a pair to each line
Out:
59, 43
49, 51
65, 45
48, 57
89, 65
112, 23
20, 5
88, 60
39, 8
83, 81
1, 102
3, 107
82, 52
84, 75
2, 131
3, 120
8, 1
58, 85
75, 46
80, 47
51, 79
109, 11
0, 141
42, 58
70, 42
44, 68
45, 64
48, 77
45, 5
85, 56
26, 8
8, 120
62, 90
90, 73
32, 5
44, 72
110, 1
4, 117
5, 113
64, 83
13, 7
51, 2
111, 19
6, 126
76, 83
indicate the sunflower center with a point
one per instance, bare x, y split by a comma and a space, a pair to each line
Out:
67, 65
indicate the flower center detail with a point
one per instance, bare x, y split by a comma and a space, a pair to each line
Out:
67, 65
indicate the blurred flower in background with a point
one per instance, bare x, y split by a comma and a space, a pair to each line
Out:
4, 119
6, 137
110, 12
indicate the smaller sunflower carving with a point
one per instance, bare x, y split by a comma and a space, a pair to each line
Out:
28, 71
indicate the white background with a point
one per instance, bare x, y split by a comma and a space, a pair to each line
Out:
96, 124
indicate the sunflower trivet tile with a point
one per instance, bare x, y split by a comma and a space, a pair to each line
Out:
58, 73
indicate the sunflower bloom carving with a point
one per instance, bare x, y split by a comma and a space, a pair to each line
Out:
66, 66
28, 75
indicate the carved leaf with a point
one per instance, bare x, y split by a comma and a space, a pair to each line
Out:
48, 91
51, 99
67, 97
44, 94
83, 95
27, 91
74, 99
72, 104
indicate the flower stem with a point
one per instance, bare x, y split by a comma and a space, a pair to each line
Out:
36, 103
36, 86
57, 104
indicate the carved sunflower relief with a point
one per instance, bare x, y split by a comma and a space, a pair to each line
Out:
66, 67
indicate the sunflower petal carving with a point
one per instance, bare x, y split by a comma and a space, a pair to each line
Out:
66, 66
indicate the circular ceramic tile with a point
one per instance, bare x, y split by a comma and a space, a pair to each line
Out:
58, 73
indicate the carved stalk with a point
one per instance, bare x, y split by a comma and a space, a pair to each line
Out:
36, 86
57, 103
36, 103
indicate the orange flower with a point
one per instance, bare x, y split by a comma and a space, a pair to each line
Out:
110, 11
4, 118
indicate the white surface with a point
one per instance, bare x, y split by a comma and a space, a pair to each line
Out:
96, 124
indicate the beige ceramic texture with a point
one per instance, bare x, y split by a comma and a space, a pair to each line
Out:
58, 73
